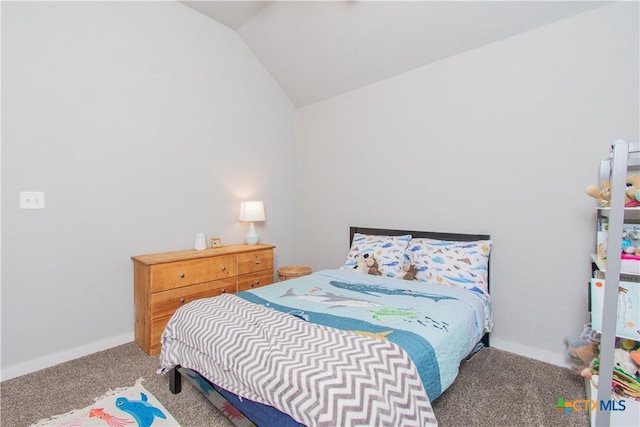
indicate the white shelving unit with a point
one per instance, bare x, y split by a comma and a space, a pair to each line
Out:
624, 156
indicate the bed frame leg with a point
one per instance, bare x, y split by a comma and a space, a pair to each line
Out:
483, 343
485, 340
175, 380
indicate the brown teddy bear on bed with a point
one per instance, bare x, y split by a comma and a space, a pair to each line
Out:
410, 271
372, 264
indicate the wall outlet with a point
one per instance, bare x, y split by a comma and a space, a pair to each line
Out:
31, 200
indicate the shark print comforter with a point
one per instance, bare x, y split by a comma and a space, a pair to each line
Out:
433, 327
437, 325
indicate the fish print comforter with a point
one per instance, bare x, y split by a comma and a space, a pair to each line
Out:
433, 326
319, 376
436, 325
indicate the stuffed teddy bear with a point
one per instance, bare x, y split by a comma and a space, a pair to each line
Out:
633, 191
582, 352
585, 353
372, 264
366, 264
410, 271
602, 194
361, 265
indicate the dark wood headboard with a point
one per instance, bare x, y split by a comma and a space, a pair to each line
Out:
456, 237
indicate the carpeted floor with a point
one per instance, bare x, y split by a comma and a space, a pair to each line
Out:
494, 388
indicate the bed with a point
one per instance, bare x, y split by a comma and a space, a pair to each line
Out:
371, 342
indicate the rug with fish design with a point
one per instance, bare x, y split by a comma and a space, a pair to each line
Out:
122, 407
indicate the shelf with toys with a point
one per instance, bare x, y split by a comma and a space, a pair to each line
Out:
630, 246
615, 290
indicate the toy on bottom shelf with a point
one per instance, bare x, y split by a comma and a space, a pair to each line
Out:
626, 380
582, 352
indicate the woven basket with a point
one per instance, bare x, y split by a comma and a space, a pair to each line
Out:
286, 273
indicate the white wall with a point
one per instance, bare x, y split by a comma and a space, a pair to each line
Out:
143, 123
146, 122
500, 140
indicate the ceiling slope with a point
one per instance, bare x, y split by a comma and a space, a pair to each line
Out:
319, 49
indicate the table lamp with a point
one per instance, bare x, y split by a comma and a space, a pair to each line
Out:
251, 212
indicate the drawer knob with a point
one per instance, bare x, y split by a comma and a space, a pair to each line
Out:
257, 282
182, 275
257, 261
224, 268
223, 290
182, 300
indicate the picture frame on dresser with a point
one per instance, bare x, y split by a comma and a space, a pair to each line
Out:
216, 242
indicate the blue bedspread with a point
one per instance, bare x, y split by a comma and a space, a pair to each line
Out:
436, 325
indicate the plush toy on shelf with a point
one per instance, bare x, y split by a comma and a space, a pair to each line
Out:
581, 352
602, 193
626, 379
633, 191
585, 353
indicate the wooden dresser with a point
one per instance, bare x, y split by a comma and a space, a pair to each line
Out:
165, 281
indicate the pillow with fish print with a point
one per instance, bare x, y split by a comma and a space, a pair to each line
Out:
457, 264
378, 255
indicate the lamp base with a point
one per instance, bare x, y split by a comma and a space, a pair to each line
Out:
252, 237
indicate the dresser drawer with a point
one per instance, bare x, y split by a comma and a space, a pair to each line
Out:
166, 302
252, 262
178, 274
255, 280
157, 327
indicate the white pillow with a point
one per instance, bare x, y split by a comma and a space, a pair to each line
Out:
378, 255
457, 264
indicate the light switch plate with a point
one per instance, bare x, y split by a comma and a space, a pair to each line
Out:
31, 200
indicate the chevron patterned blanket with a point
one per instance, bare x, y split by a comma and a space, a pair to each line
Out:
436, 325
319, 375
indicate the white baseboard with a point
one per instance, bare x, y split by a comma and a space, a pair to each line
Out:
531, 352
34, 365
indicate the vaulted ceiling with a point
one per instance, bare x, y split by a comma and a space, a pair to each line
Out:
318, 49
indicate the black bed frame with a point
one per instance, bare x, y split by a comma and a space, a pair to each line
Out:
175, 377
454, 237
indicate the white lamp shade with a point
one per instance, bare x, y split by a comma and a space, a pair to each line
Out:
251, 211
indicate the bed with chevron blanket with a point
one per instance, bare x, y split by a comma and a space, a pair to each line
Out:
334, 348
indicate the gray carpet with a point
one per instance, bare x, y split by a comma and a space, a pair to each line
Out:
494, 388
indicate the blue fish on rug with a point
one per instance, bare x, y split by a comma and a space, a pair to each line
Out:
376, 289
142, 411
